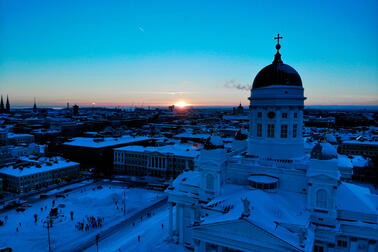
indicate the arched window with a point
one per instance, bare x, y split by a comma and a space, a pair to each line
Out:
210, 182
321, 198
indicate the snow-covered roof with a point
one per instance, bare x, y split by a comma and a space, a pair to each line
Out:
186, 184
331, 138
270, 211
45, 131
47, 164
356, 198
191, 178
184, 150
262, 179
235, 117
344, 161
361, 142
359, 161
216, 140
334, 174
194, 136
105, 142
13, 135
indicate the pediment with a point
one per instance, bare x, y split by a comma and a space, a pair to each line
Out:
209, 164
322, 176
241, 231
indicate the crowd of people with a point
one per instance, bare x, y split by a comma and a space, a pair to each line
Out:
90, 222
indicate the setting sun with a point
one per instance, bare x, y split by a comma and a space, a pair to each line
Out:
181, 104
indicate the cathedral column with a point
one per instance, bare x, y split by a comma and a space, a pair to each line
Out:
177, 230
202, 246
181, 226
196, 244
170, 207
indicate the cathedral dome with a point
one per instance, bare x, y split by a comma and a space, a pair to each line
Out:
277, 73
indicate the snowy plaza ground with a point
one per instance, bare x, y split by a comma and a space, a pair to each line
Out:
153, 236
88, 200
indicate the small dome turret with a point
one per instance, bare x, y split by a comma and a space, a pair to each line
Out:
323, 151
214, 142
240, 136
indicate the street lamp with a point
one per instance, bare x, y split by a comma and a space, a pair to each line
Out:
47, 223
97, 240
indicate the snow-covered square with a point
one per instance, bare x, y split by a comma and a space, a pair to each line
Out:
98, 206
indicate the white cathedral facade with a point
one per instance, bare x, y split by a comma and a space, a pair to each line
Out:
268, 194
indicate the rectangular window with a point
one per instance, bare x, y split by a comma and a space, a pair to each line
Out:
270, 130
342, 243
318, 248
284, 115
259, 114
284, 131
295, 115
259, 130
295, 127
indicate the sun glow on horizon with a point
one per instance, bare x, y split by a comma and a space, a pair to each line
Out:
181, 104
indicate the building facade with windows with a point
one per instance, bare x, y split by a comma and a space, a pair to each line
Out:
39, 173
24, 150
163, 161
20, 138
98, 152
367, 149
272, 196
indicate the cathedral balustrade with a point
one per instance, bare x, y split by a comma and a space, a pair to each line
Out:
274, 163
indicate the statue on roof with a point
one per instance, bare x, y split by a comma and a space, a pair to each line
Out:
246, 205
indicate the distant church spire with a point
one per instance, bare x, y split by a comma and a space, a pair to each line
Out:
7, 106
2, 104
277, 57
35, 106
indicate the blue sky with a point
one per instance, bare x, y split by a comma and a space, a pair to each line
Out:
160, 52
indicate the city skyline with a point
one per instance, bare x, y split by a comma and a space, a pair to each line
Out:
203, 54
